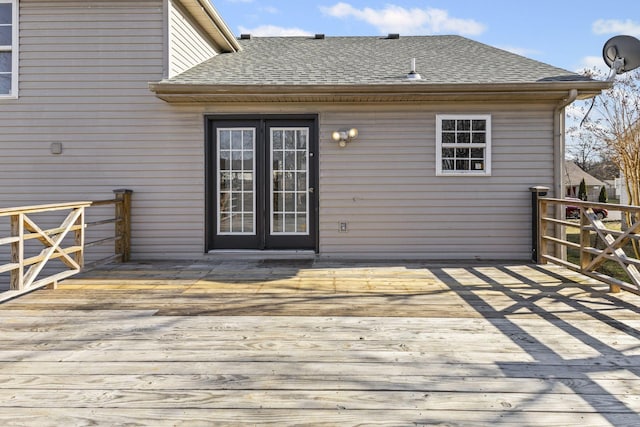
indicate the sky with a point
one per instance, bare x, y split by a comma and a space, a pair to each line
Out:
565, 33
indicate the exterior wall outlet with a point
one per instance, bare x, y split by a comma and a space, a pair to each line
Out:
56, 148
343, 227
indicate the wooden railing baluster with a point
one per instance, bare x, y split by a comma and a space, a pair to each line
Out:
590, 259
25, 271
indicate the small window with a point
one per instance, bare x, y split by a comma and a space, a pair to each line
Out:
8, 48
463, 144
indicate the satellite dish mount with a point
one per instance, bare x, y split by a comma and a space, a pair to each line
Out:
621, 54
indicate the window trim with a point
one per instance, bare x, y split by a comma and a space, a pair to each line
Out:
486, 145
14, 50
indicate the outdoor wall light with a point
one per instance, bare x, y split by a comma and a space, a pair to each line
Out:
343, 136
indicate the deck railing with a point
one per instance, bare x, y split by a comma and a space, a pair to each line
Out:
29, 269
604, 250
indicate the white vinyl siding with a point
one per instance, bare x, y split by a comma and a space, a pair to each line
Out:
8, 49
187, 46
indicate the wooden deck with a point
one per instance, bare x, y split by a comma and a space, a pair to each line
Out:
302, 342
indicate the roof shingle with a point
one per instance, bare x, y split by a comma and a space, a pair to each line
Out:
368, 61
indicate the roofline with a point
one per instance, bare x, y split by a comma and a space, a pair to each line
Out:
212, 24
406, 92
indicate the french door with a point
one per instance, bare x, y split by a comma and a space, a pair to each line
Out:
261, 182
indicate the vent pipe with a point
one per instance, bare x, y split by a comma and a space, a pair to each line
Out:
413, 74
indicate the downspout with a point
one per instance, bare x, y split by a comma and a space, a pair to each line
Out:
559, 142
165, 39
558, 160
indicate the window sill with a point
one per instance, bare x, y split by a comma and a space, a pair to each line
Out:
476, 174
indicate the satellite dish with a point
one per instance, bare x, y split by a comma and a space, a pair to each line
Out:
622, 53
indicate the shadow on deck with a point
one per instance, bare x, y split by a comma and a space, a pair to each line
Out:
286, 342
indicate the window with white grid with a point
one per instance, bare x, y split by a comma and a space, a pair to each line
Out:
8, 48
463, 144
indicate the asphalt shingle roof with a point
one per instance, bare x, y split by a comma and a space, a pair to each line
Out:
574, 174
368, 61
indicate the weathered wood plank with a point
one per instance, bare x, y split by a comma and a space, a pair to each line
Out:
249, 340
55, 417
138, 323
273, 344
322, 399
450, 355
481, 347
32, 336
265, 381
338, 305
406, 351
427, 367
182, 290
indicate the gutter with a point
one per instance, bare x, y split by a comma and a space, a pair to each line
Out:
219, 23
212, 23
202, 92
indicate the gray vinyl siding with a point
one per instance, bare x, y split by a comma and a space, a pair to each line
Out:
187, 45
85, 68
384, 186
384, 183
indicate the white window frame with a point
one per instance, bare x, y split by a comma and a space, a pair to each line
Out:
486, 146
254, 132
13, 49
297, 190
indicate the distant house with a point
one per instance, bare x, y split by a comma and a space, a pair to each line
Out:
246, 144
574, 174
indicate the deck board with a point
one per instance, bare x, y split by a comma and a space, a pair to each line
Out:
321, 343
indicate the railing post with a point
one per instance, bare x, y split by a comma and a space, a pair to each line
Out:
17, 252
536, 215
79, 238
585, 240
123, 224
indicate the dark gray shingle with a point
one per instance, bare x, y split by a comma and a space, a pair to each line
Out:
368, 61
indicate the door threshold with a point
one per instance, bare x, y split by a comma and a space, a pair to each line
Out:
250, 254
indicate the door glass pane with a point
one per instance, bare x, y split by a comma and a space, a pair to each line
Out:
276, 139
5, 62
289, 210
236, 181
302, 222
302, 139
6, 14
5, 36
278, 224
289, 139
224, 139
5, 84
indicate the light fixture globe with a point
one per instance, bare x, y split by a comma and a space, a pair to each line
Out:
343, 136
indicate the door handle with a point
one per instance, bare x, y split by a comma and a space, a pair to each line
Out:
312, 190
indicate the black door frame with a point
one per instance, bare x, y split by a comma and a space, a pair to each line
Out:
211, 122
